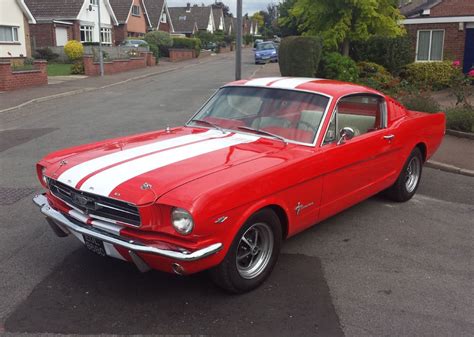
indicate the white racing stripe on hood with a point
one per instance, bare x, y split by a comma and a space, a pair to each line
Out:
292, 83
76, 173
103, 183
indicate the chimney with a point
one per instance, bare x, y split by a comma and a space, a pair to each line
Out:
188, 7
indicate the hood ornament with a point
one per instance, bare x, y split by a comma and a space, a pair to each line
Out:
146, 186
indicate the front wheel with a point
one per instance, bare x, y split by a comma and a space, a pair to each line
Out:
252, 255
407, 182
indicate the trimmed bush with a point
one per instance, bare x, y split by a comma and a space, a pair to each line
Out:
187, 43
77, 67
338, 67
156, 51
374, 75
392, 53
74, 50
420, 102
436, 75
299, 56
460, 118
160, 39
46, 54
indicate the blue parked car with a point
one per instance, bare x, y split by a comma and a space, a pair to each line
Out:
266, 52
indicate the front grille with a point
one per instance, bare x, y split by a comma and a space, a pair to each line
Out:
96, 206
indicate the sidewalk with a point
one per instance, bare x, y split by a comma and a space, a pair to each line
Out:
455, 154
17, 98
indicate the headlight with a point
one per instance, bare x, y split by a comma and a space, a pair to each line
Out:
43, 176
182, 221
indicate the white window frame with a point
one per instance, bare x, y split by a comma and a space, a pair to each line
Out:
88, 32
15, 34
94, 2
163, 17
429, 48
135, 10
106, 35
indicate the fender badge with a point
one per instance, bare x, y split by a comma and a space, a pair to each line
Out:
221, 219
299, 207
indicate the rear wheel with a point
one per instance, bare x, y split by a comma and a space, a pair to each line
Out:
407, 182
252, 255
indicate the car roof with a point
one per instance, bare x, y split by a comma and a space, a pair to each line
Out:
317, 85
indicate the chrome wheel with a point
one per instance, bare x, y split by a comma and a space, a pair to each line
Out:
254, 250
412, 174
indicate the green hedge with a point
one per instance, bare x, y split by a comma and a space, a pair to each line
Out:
460, 118
187, 43
338, 67
436, 75
391, 53
161, 41
374, 75
420, 102
299, 56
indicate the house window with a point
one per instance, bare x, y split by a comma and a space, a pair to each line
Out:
163, 17
106, 35
8, 34
182, 18
429, 45
136, 10
86, 33
94, 2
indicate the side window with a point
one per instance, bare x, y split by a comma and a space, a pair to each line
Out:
361, 113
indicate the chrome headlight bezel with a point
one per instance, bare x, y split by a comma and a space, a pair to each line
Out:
182, 221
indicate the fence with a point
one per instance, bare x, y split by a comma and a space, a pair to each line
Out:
111, 52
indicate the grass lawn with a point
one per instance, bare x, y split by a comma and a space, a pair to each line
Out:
59, 69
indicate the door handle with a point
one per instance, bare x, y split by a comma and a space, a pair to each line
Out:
389, 137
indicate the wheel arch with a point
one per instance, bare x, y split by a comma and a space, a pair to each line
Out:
423, 149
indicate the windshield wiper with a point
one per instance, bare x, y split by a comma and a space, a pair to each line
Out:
208, 123
262, 132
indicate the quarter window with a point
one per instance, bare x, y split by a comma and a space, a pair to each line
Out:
8, 34
429, 46
136, 10
86, 33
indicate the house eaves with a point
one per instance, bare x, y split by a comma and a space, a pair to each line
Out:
24, 8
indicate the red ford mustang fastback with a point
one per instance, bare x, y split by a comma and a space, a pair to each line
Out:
261, 161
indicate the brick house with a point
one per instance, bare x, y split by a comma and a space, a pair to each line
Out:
441, 29
14, 29
132, 21
158, 15
61, 20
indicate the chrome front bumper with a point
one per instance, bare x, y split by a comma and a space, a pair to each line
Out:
132, 245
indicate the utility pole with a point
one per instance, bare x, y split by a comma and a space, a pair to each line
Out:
101, 57
238, 42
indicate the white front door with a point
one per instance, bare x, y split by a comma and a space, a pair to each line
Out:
61, 36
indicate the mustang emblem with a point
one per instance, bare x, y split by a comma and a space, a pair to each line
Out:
84, 201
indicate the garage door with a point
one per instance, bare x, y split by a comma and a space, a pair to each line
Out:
61, 36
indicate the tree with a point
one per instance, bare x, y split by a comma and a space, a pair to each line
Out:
287, 22
225, 8
259, 18
341, 22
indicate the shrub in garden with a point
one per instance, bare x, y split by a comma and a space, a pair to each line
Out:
420, 102
338, 67
393, 53
156, 51
46, 54
74, 50
460, 118
77, 67
187, 43
299, 56
435, 75
374, 75
160, 39
461, 84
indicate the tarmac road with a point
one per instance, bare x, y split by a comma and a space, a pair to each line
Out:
377, 269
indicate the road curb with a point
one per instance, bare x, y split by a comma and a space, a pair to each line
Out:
449, 168
80, 91
460, 134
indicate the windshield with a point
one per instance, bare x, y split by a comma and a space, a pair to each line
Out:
289, 114
265, 46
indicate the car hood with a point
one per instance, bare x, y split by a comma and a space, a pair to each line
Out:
140, 169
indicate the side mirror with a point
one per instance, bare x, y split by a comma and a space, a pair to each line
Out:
345, 134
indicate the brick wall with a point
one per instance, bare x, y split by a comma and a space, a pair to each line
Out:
454, 39
92, 68
11, 80
120, 33
181, 54
453, 8
42, 35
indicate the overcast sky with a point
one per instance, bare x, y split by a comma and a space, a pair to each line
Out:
249, 6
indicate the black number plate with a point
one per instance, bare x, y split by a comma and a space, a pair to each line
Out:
94, 245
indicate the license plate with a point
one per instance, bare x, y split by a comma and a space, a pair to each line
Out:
94, 245
265, 57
